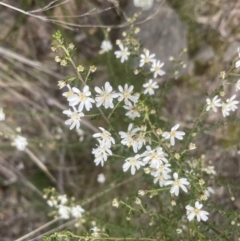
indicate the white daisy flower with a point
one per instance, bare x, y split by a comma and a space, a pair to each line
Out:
237, 64
196, 212
20, 142
130, 138
173, 134
104, 137
75, 118
134, 163
162, 169
208, 191
126, 94
68, 93
101, 153
122, 53
210, 170
154, 157
213, 104
146, 58
177, 183
149, 87
64, 212
232, 104
132, 111
82, 98
105, 96
156, 68
77, 211
225, 109
237, 86
161, 178
105, 46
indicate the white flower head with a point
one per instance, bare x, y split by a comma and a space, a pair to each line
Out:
62, 199
144, 4
106, 46
154, 157
64, 212
75, 118
101, 178
213, 104
146, 58
126, 94
104, 137
161, 178
210, 170
77, 211
134, 162
237, 85
237, 64
132, 111
232, 104
149, 87
82, 98
163, 169
101, 153
177, 183
69, 92
105, 96
173, 134
20, 142
208, 191
131, 138
225, 109
156, 68
2, 115
196, 212
122, 53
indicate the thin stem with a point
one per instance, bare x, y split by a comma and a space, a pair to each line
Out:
113, 109
73, 64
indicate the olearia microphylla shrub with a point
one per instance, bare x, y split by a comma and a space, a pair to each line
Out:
160, 152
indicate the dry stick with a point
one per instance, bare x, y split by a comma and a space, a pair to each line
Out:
49, 6
43, 68
40, 165
24, 180
13, 55
38, 229
88, 200
51, 231
67, 25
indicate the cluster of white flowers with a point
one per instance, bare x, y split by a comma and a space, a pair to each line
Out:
64, 211
105, 141
153, 160
156, 159
82, 100
216, 102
